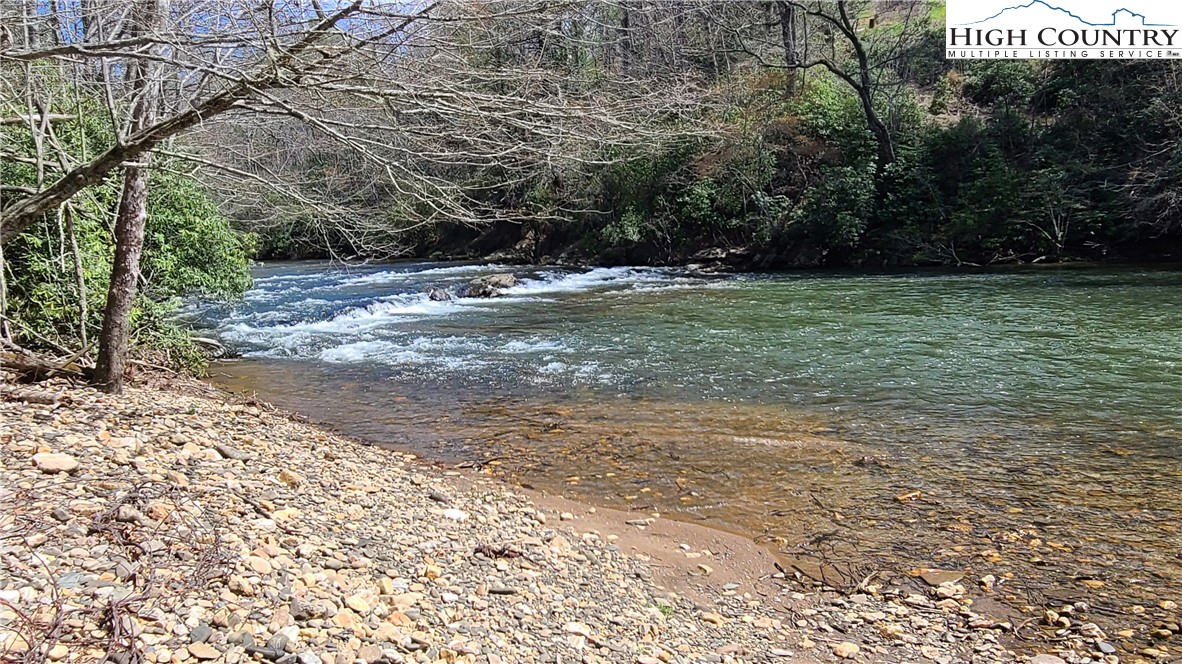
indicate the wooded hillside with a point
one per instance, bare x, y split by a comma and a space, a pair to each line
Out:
149, 149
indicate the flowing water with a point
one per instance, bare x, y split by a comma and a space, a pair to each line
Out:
1025, 424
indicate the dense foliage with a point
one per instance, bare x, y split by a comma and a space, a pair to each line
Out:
996, 162
190, 249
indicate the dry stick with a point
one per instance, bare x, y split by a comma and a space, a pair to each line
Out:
33, 333
79, 274
23, 119
61, 238
32, 113
66, 212
5, 331
158, 367
67, 233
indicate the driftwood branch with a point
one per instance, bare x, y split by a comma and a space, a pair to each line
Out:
37, 118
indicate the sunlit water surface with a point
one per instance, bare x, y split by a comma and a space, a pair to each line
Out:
1037, 413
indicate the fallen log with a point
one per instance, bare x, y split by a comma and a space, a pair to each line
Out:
33, 368
42, 397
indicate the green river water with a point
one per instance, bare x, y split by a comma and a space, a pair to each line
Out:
1037, 413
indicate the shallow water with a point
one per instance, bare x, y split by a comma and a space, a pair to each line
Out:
1036, 412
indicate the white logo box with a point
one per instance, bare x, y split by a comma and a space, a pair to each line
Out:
1064, 29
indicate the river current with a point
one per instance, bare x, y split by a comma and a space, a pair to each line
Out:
1020, 424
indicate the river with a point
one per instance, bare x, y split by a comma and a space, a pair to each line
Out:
1024, 424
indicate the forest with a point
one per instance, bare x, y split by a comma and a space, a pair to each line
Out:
151, 151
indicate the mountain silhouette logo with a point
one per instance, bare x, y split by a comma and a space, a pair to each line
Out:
1121, 13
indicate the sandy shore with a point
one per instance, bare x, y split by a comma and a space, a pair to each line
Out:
178, 524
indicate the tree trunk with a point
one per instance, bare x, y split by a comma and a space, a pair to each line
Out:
125, 274
788, 33
114, 340
865, 89
788, 40
882, 134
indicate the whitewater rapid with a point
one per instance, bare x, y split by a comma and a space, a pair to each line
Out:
383, 316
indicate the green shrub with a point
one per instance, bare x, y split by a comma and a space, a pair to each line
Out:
190, 249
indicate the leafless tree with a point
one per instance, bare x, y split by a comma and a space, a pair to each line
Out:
131, 219
849, 39
417, 92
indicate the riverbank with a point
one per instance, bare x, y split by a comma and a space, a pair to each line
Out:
179, 524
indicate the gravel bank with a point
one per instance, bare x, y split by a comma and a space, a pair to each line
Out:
172, 524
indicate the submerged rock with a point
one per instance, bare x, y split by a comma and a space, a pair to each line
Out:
940, 577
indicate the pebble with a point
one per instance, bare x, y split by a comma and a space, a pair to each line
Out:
228, 452
204, 651
200, 634
577, 628
337, 552
258, 565
846, 650
55, 462
359, 604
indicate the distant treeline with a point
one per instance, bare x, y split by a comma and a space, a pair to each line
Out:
990, 161
998, 162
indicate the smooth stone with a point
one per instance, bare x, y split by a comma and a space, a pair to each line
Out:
228, 452
370, 653
55, 462
846, 650
260, 566
204, 651
358, 603
278, 643
200, 634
